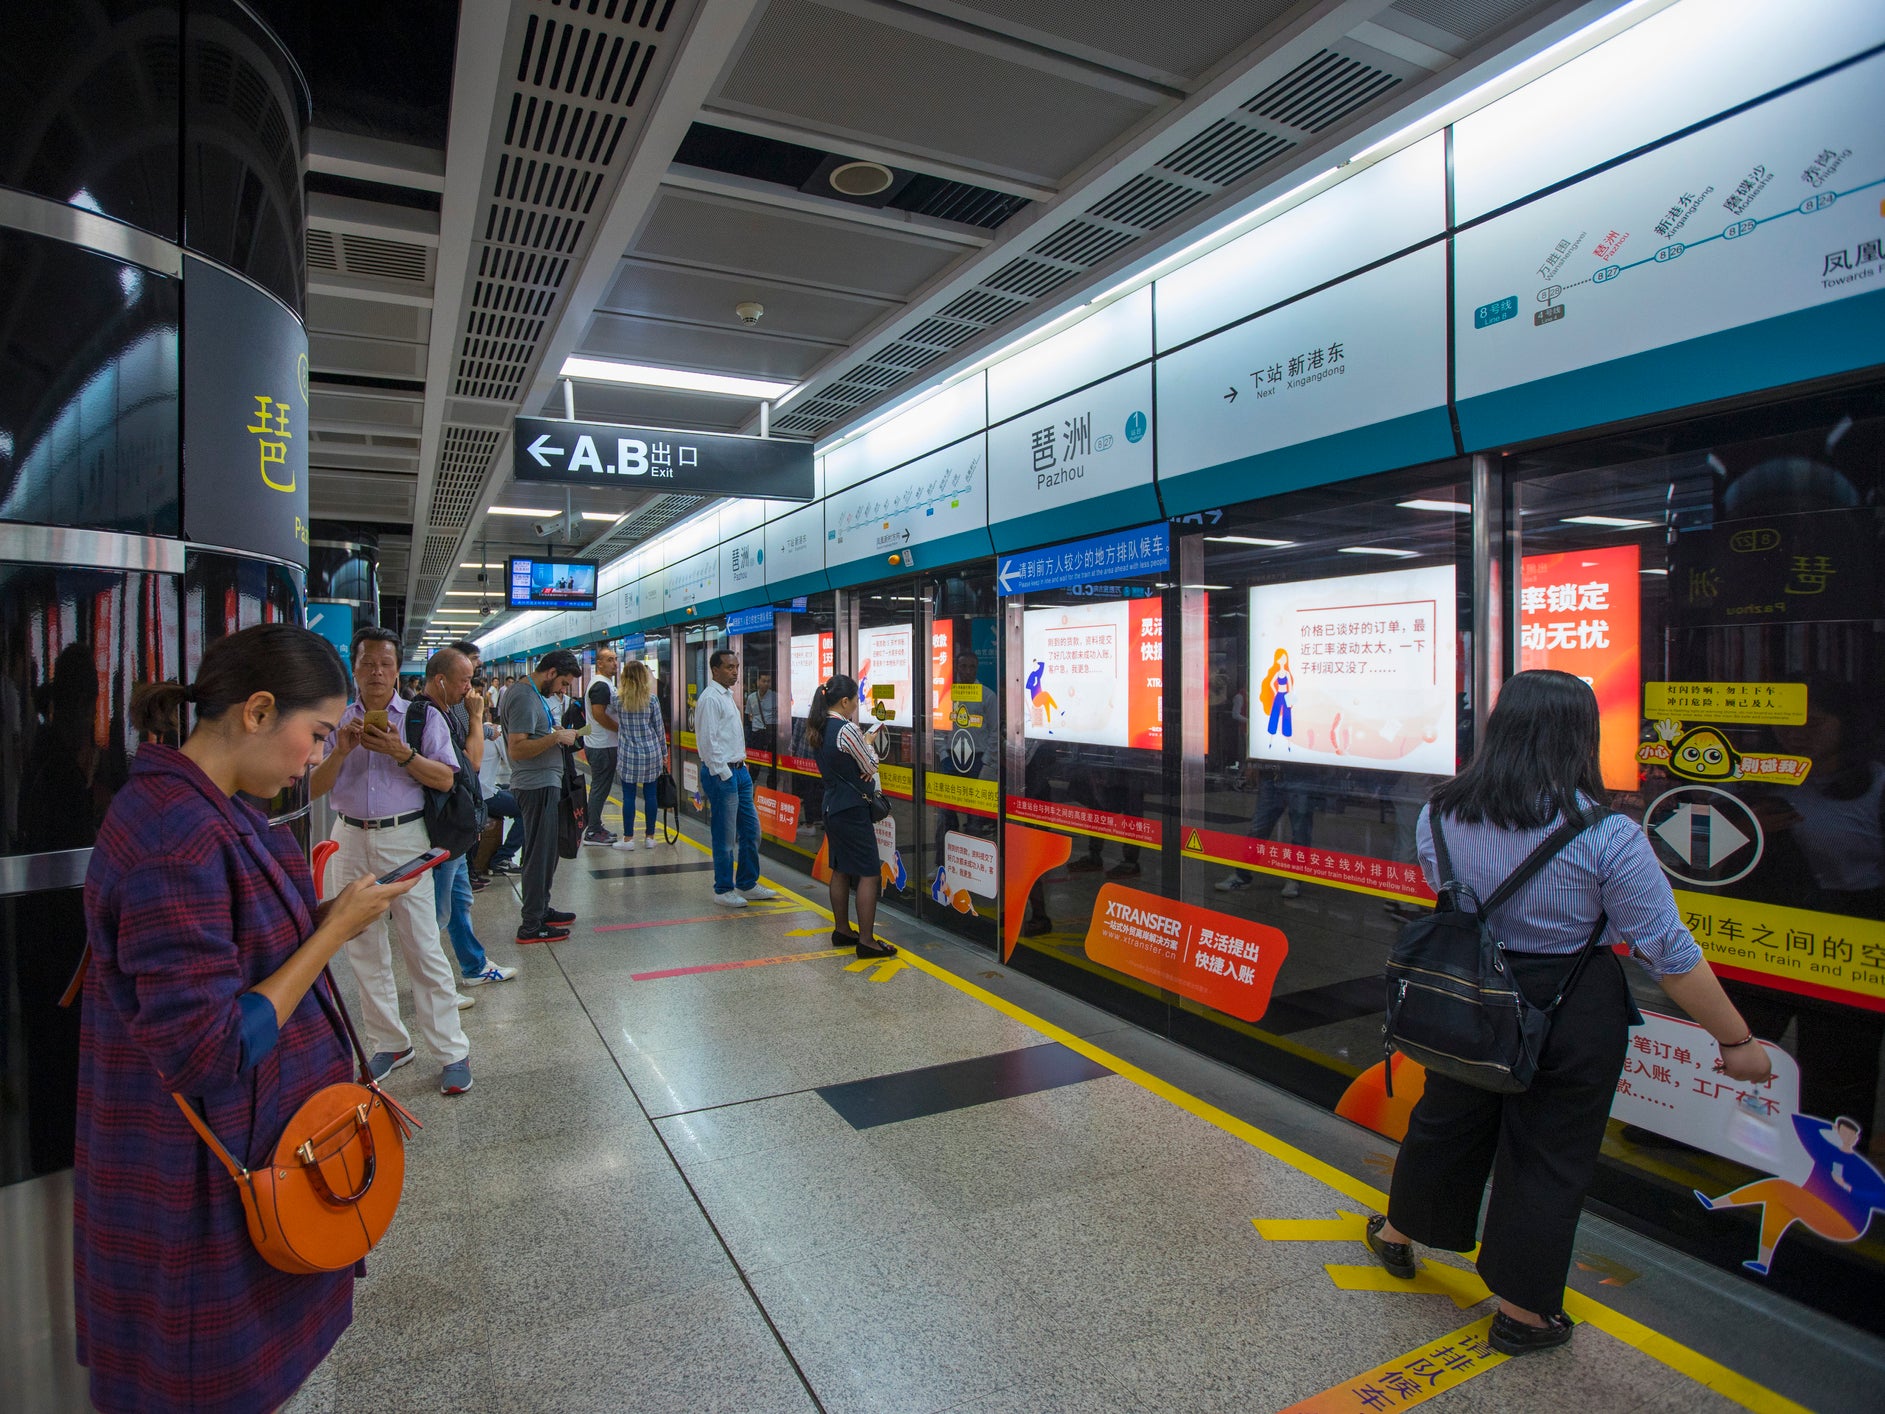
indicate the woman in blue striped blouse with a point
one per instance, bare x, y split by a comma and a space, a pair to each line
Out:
1536, 768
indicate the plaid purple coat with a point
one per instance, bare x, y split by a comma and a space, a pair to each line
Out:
191, 899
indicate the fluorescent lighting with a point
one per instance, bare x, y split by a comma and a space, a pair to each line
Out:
1376, 550
1655, 571
1610, 522
484, 565
1204, 586
1248, 540
1459, 507
464, 594
518, 511
604, 515
641, 375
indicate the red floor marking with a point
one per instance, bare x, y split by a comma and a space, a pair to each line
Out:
726, 966
704, 918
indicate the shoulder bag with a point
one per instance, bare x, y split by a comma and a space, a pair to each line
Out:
1452, 1004
454, 818
329, 1191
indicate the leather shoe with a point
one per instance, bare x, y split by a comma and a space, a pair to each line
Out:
1510, 1337
1397, 1257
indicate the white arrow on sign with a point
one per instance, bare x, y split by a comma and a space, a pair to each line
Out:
1721, 838
1006, 575
537, 450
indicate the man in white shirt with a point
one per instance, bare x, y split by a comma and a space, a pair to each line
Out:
720, 741
600, 744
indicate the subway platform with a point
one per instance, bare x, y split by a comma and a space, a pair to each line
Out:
712, 1164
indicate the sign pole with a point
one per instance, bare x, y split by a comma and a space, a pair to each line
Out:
569, 400
765, 419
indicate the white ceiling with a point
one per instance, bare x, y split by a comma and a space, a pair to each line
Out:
566, 225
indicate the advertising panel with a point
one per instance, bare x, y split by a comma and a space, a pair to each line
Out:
1768, 213
811, 659
970, 868
1060, 459
1225, 962
778, 813
1669, 1086
1578, 613
1095, 673
885, 672
1358, 671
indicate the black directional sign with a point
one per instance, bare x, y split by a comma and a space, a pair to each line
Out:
661, 459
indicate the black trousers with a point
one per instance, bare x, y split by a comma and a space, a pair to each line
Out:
538, 811
1540, 1148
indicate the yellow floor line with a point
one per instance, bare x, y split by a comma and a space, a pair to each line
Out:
1712, 1374
1413, 1378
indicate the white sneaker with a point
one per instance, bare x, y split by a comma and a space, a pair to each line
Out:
649, 843
732, 898
1230, 882
1292, 889
758, 893
493, 972
626, 842
466, 1003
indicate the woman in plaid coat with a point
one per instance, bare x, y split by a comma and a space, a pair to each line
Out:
205, 940
643, 750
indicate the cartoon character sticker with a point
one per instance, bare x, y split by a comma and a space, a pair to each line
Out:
1040, 700
1705, 754
1836, 1201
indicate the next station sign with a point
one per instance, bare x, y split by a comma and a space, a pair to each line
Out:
661, 459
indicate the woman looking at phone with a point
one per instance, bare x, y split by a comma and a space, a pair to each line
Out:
848, 767
206, 941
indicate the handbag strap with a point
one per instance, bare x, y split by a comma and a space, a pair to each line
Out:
1540, 856
1584, 955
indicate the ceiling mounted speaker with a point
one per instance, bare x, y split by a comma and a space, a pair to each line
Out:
861, 178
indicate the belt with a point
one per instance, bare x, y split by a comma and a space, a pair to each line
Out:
385, 822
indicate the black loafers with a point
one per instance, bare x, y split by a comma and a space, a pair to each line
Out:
1510, 1337
1397, 1257
876, 947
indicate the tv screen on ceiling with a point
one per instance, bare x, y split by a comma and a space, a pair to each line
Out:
550, 584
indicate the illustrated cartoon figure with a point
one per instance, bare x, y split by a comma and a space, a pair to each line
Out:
1274, 694
1836, 1201
1043, 700
1704, 754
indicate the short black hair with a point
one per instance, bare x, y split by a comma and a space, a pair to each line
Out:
713, 660
559, 660
373, 633
467, 647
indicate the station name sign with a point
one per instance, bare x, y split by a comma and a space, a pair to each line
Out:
661, 459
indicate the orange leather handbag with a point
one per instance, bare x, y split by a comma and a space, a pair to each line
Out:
329, 1192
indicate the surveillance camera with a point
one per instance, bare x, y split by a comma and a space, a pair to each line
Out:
546, 528
749, 311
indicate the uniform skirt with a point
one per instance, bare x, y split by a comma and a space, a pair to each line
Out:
851, 842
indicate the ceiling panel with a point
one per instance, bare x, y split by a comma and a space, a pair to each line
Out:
846, 75
1183, 38
377, 358
378, 319
703, 297
736, 236
691, 346
653, 407
395, 414
357, 495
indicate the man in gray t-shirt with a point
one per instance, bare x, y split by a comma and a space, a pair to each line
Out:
534, 741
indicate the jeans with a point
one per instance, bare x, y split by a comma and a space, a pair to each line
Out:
601, 782
1273, 798
451, 881
650, 807
540, 824
734, 815
502, 805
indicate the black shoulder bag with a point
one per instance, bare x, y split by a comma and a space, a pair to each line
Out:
1452, 1003
454, 818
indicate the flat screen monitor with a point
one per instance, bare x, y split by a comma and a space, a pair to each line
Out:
550, 584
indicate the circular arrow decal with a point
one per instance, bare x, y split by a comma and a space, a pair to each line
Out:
1703, 836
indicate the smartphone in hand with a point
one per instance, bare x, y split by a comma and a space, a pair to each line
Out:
379, 719
415, 866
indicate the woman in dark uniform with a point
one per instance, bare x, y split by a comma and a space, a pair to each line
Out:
206, 939
848, 768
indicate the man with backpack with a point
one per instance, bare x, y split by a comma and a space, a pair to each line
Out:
376, 780
448, 688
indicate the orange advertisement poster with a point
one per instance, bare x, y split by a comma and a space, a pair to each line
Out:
1225, 962
1579, 612
778, 813
942, 673
1145, 670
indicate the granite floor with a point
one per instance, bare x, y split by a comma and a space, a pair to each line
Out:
646, 1204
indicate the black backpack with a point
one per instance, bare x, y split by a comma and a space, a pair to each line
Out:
453, 818
1452, 1003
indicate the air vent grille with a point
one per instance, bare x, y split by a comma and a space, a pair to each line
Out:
958, 201
1321, 91
1148, 202
980, 307
1027, 277
1083, 243
440, 552
1226, 152
943, 333
908, 356
464, 455
323, 254
383, 259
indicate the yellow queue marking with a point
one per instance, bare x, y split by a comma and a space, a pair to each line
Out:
1414, 1378
1462, 1287
1343, 1227
887, 967
1711, 1374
